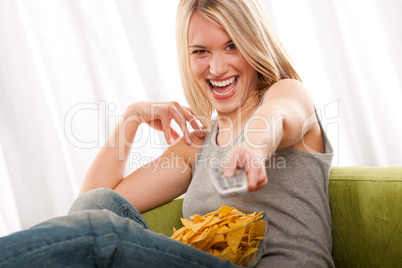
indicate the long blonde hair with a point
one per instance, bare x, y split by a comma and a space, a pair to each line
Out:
249, 28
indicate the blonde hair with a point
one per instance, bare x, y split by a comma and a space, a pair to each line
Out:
248, 26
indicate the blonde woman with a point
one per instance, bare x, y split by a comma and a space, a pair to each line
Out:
231, 62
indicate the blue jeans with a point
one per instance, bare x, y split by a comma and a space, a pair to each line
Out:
102, 229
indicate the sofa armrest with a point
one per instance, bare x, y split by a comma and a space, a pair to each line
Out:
366, 208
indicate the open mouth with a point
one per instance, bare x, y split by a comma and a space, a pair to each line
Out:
223, 89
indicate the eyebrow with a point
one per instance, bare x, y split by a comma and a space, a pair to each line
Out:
199, 46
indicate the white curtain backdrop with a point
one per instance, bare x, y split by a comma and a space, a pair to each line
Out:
68, 69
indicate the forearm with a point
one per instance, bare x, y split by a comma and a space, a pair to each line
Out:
265, 130
107, 170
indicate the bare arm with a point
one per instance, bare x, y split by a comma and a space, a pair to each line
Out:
162, 180
284, 119
107, 170
289, 111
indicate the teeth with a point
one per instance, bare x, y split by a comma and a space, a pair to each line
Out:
222, 83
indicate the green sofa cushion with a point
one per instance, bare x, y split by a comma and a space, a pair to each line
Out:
163, 218
366, 208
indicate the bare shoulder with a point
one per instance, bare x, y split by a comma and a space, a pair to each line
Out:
288, 88
291, 97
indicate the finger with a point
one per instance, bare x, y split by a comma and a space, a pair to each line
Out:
155, 124
258, 179
230, 165
200, 122
252, 179
166, 128
189, 116
262, 183
188, 109
174, 134
194, 122
177, 115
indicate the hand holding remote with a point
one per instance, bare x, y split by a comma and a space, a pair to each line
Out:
229, 186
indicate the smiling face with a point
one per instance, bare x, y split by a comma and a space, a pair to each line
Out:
218, 67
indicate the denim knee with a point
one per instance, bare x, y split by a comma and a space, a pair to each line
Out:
100, 198
104, 198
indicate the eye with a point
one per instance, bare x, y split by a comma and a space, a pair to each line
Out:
231, 47
199, 52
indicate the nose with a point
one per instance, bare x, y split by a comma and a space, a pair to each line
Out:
218, 65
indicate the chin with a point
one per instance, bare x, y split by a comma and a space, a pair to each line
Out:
227, 108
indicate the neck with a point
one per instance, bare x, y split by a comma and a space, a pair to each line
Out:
235, 120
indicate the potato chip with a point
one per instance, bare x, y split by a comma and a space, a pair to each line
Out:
226, 233
234, 237
247, 254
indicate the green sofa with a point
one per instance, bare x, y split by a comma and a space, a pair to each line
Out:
366, 208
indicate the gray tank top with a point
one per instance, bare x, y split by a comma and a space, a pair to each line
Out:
295, 201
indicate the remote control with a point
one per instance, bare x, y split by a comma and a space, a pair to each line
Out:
229, 186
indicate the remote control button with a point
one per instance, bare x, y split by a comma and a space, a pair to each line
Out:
222, 182
238, 178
